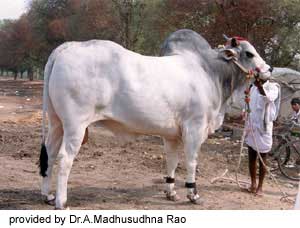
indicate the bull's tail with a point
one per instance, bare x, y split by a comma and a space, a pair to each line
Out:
43, 161
44, 155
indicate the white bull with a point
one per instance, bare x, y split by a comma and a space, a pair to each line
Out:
179, 96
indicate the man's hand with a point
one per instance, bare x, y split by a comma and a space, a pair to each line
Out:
258, 83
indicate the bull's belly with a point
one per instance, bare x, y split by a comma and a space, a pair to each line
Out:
121, 127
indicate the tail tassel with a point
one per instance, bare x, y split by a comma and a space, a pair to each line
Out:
43, 161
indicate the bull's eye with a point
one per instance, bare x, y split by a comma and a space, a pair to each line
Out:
249, 54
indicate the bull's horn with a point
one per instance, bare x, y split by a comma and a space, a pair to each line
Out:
226, 37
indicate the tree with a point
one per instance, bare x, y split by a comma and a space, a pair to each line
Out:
130, 15
284, 47
271, 26
15, 45
250, 19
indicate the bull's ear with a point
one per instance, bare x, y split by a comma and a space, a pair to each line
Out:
234, 42
227, 54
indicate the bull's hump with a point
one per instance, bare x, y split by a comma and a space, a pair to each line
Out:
184, 40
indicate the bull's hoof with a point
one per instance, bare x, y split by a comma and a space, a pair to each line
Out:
172, 197
62, 208
50, 199
195, 199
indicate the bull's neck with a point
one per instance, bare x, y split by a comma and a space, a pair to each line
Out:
228, 77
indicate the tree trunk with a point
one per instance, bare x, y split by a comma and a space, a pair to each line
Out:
37, 74
15, 75
30, 74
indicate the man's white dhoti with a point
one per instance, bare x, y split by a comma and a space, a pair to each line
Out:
263, 111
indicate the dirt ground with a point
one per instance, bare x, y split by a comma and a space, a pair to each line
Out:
108, 174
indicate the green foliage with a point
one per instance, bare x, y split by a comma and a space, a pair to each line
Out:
285, 45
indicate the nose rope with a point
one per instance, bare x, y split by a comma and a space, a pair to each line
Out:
249, 73
240, 66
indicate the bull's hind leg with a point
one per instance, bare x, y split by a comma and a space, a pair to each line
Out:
71, 143
192, 139
54, 139
170, 147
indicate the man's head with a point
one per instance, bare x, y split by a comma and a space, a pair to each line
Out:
295, 102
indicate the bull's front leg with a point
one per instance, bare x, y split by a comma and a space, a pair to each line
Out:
170, 147
193, 136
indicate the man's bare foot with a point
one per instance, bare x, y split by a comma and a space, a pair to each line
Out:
249, 189
259, 192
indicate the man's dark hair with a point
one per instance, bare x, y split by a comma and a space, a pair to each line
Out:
295, 100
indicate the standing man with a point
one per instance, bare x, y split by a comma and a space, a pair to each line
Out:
264, 108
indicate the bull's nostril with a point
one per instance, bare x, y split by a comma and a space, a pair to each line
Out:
271, 69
